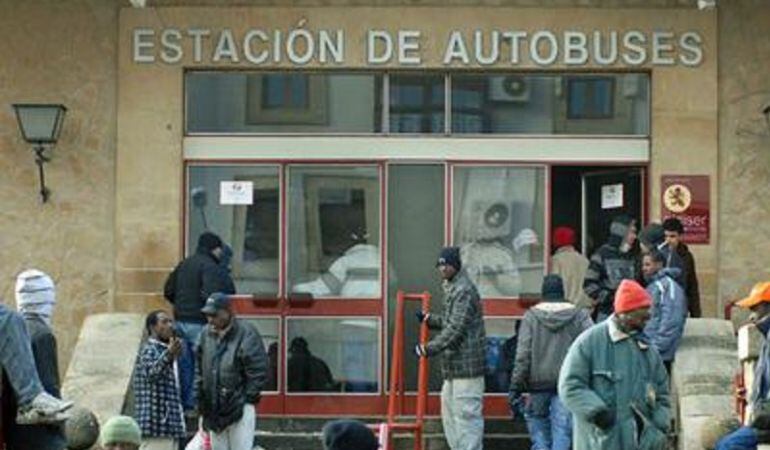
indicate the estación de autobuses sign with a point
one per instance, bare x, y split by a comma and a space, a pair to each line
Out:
301, 46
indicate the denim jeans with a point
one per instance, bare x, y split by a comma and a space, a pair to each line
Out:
462, 402
548, 421
190, 331
744, 438
16, 356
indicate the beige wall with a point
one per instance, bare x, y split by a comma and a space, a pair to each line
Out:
60, 52
744, 146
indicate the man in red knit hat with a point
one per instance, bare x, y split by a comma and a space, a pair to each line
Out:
571, 266
614, 384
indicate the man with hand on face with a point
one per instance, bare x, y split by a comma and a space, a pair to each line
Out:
230, 372
748, 438
158, 408
462, 343
614, 384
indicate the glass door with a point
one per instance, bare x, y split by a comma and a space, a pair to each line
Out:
307, 263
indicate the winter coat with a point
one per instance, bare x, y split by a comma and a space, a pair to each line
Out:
38, 437
157, 401
607, 268
230, 372
545, 334
571, 266
606, 370
192, 281
669, 313
462, 340
691, 289
674, 261
760, 390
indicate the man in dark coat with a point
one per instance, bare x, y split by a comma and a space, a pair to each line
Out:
610, 264
187, 288
229, 375
674, 231
35, 300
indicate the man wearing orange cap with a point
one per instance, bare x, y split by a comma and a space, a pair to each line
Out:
614, 384
746, 438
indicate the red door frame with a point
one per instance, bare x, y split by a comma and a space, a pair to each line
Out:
281, 403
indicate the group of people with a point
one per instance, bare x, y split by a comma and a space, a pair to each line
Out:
594, 357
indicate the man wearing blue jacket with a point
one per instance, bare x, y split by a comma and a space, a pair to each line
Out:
669, 306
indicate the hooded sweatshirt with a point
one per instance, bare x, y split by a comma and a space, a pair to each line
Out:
610, 265
546, 333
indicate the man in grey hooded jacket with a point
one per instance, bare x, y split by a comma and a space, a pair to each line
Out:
546, 333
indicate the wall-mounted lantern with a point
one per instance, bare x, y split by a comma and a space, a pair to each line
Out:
40, 125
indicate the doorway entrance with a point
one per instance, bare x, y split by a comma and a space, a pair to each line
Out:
587, 198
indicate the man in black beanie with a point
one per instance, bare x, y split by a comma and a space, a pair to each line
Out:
187, 288
462, 343
348, 435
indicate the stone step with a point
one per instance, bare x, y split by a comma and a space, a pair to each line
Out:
433, 441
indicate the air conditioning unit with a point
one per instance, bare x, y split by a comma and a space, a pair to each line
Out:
510, 88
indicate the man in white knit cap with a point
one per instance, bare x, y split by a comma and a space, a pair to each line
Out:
16, 358
35, 300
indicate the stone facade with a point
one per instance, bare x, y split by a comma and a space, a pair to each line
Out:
61, 52
744, 146
111, 230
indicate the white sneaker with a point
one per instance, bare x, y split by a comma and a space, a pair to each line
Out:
43, 408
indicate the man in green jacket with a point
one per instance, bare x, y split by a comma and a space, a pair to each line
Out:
614, 383
461, 342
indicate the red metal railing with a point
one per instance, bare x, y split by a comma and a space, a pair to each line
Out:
397, 392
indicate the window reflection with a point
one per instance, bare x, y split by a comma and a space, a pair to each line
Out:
498, 223
251, 230
268, 329
333, 355
334, 228
500, 353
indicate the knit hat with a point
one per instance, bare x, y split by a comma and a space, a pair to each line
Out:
630, 296
619, 229
209, 241
348, 435
35, 293
652, 235
553, 288
563, 236
120, 429
450, 256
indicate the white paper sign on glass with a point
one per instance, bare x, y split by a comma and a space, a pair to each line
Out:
236, 193
612, 196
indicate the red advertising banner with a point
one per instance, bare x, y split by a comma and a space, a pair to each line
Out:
686, 197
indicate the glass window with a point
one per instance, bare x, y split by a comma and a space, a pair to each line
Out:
282, 102
268, 328
416, 103
416, 233
334, 230
501, 353
498, 223
590, 98
551, 104
251, 230
333, 355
